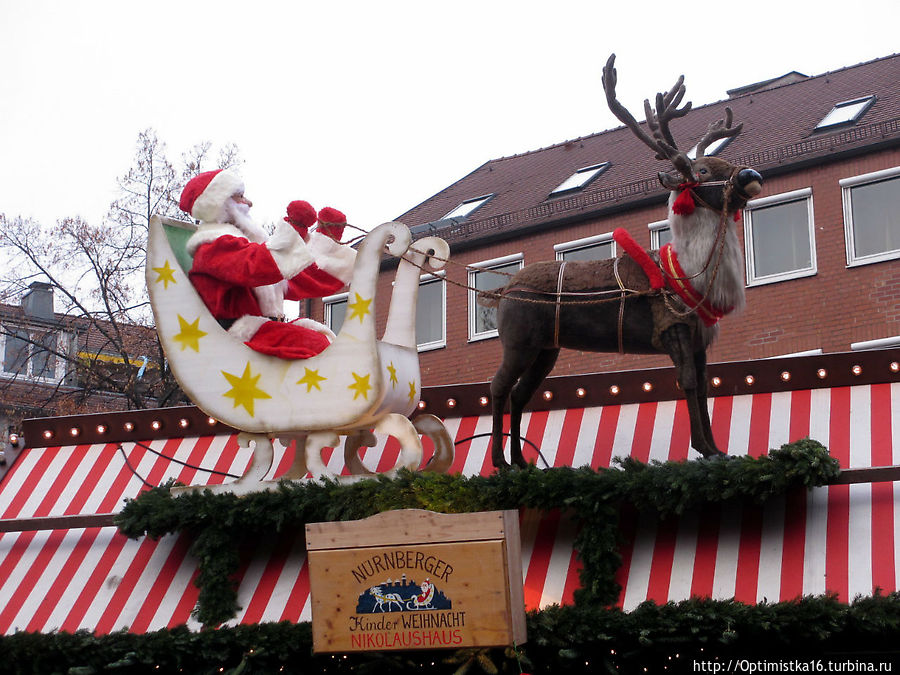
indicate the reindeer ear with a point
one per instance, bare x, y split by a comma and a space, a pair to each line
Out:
670, 180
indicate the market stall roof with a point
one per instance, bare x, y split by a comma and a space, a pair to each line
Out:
841, 538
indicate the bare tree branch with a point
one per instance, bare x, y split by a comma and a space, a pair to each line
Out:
97, 275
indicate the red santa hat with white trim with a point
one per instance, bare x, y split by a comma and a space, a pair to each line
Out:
206, 193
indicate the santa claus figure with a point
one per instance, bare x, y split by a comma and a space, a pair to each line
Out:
244, 276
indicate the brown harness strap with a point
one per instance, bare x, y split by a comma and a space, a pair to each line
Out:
559, 287
622, 289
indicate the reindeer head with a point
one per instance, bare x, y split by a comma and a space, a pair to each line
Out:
708, 176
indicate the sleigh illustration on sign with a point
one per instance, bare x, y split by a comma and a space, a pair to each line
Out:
356, 387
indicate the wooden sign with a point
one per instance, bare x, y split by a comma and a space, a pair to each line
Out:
413, 579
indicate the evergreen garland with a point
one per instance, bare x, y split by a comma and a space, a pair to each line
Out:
219, 523
675, 637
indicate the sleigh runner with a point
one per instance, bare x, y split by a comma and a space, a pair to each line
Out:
356, 386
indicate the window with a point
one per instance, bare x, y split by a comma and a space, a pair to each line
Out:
430, 313
712, 149
599, 247
31, 354
778, 235
335, 311
579, 179
872, 216
847, 112
465, 209
660, 234
489, 275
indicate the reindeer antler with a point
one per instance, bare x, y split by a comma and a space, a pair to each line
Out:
662, 142
718, 129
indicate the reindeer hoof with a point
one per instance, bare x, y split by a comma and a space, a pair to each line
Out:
711, 452
718, 454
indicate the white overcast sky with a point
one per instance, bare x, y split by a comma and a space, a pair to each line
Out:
369, 106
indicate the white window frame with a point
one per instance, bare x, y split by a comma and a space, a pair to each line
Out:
580, 179
439, 278
804, 194
655, 229
63, 342
329, 302
468, 206
861, 104
847, 185
586, 242
879, 343
486, 265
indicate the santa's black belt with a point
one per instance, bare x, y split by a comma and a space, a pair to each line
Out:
228, 323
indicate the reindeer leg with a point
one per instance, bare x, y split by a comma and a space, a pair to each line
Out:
678, 344
513, 365
521, 394
702, 397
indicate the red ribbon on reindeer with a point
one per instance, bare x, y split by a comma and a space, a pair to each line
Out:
640, 256
684, 203
681, 284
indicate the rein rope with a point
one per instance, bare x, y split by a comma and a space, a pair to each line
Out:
594, 297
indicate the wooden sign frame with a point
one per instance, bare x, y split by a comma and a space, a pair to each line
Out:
414, 579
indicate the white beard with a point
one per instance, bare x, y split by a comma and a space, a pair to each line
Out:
238, 214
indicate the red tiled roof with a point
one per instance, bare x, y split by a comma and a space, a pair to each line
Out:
94, 334
779, 131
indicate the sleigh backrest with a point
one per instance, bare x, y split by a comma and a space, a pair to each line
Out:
178, 232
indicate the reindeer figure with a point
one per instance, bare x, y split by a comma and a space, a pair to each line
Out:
695, 280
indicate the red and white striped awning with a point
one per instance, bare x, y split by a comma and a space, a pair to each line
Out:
841, 538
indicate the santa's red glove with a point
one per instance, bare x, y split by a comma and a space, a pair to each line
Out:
301, 215
331, 223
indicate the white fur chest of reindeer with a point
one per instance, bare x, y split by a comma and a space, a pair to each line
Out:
587, 305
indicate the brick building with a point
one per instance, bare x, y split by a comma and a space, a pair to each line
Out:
55, 364
821, 241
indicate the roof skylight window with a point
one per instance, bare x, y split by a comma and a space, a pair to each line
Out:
711, 149
468, 206
847, 112
580, 179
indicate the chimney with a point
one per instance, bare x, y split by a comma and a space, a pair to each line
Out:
38, 301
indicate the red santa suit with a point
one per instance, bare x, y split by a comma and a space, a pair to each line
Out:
244, 276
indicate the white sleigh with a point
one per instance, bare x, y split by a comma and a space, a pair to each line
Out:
356, 386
